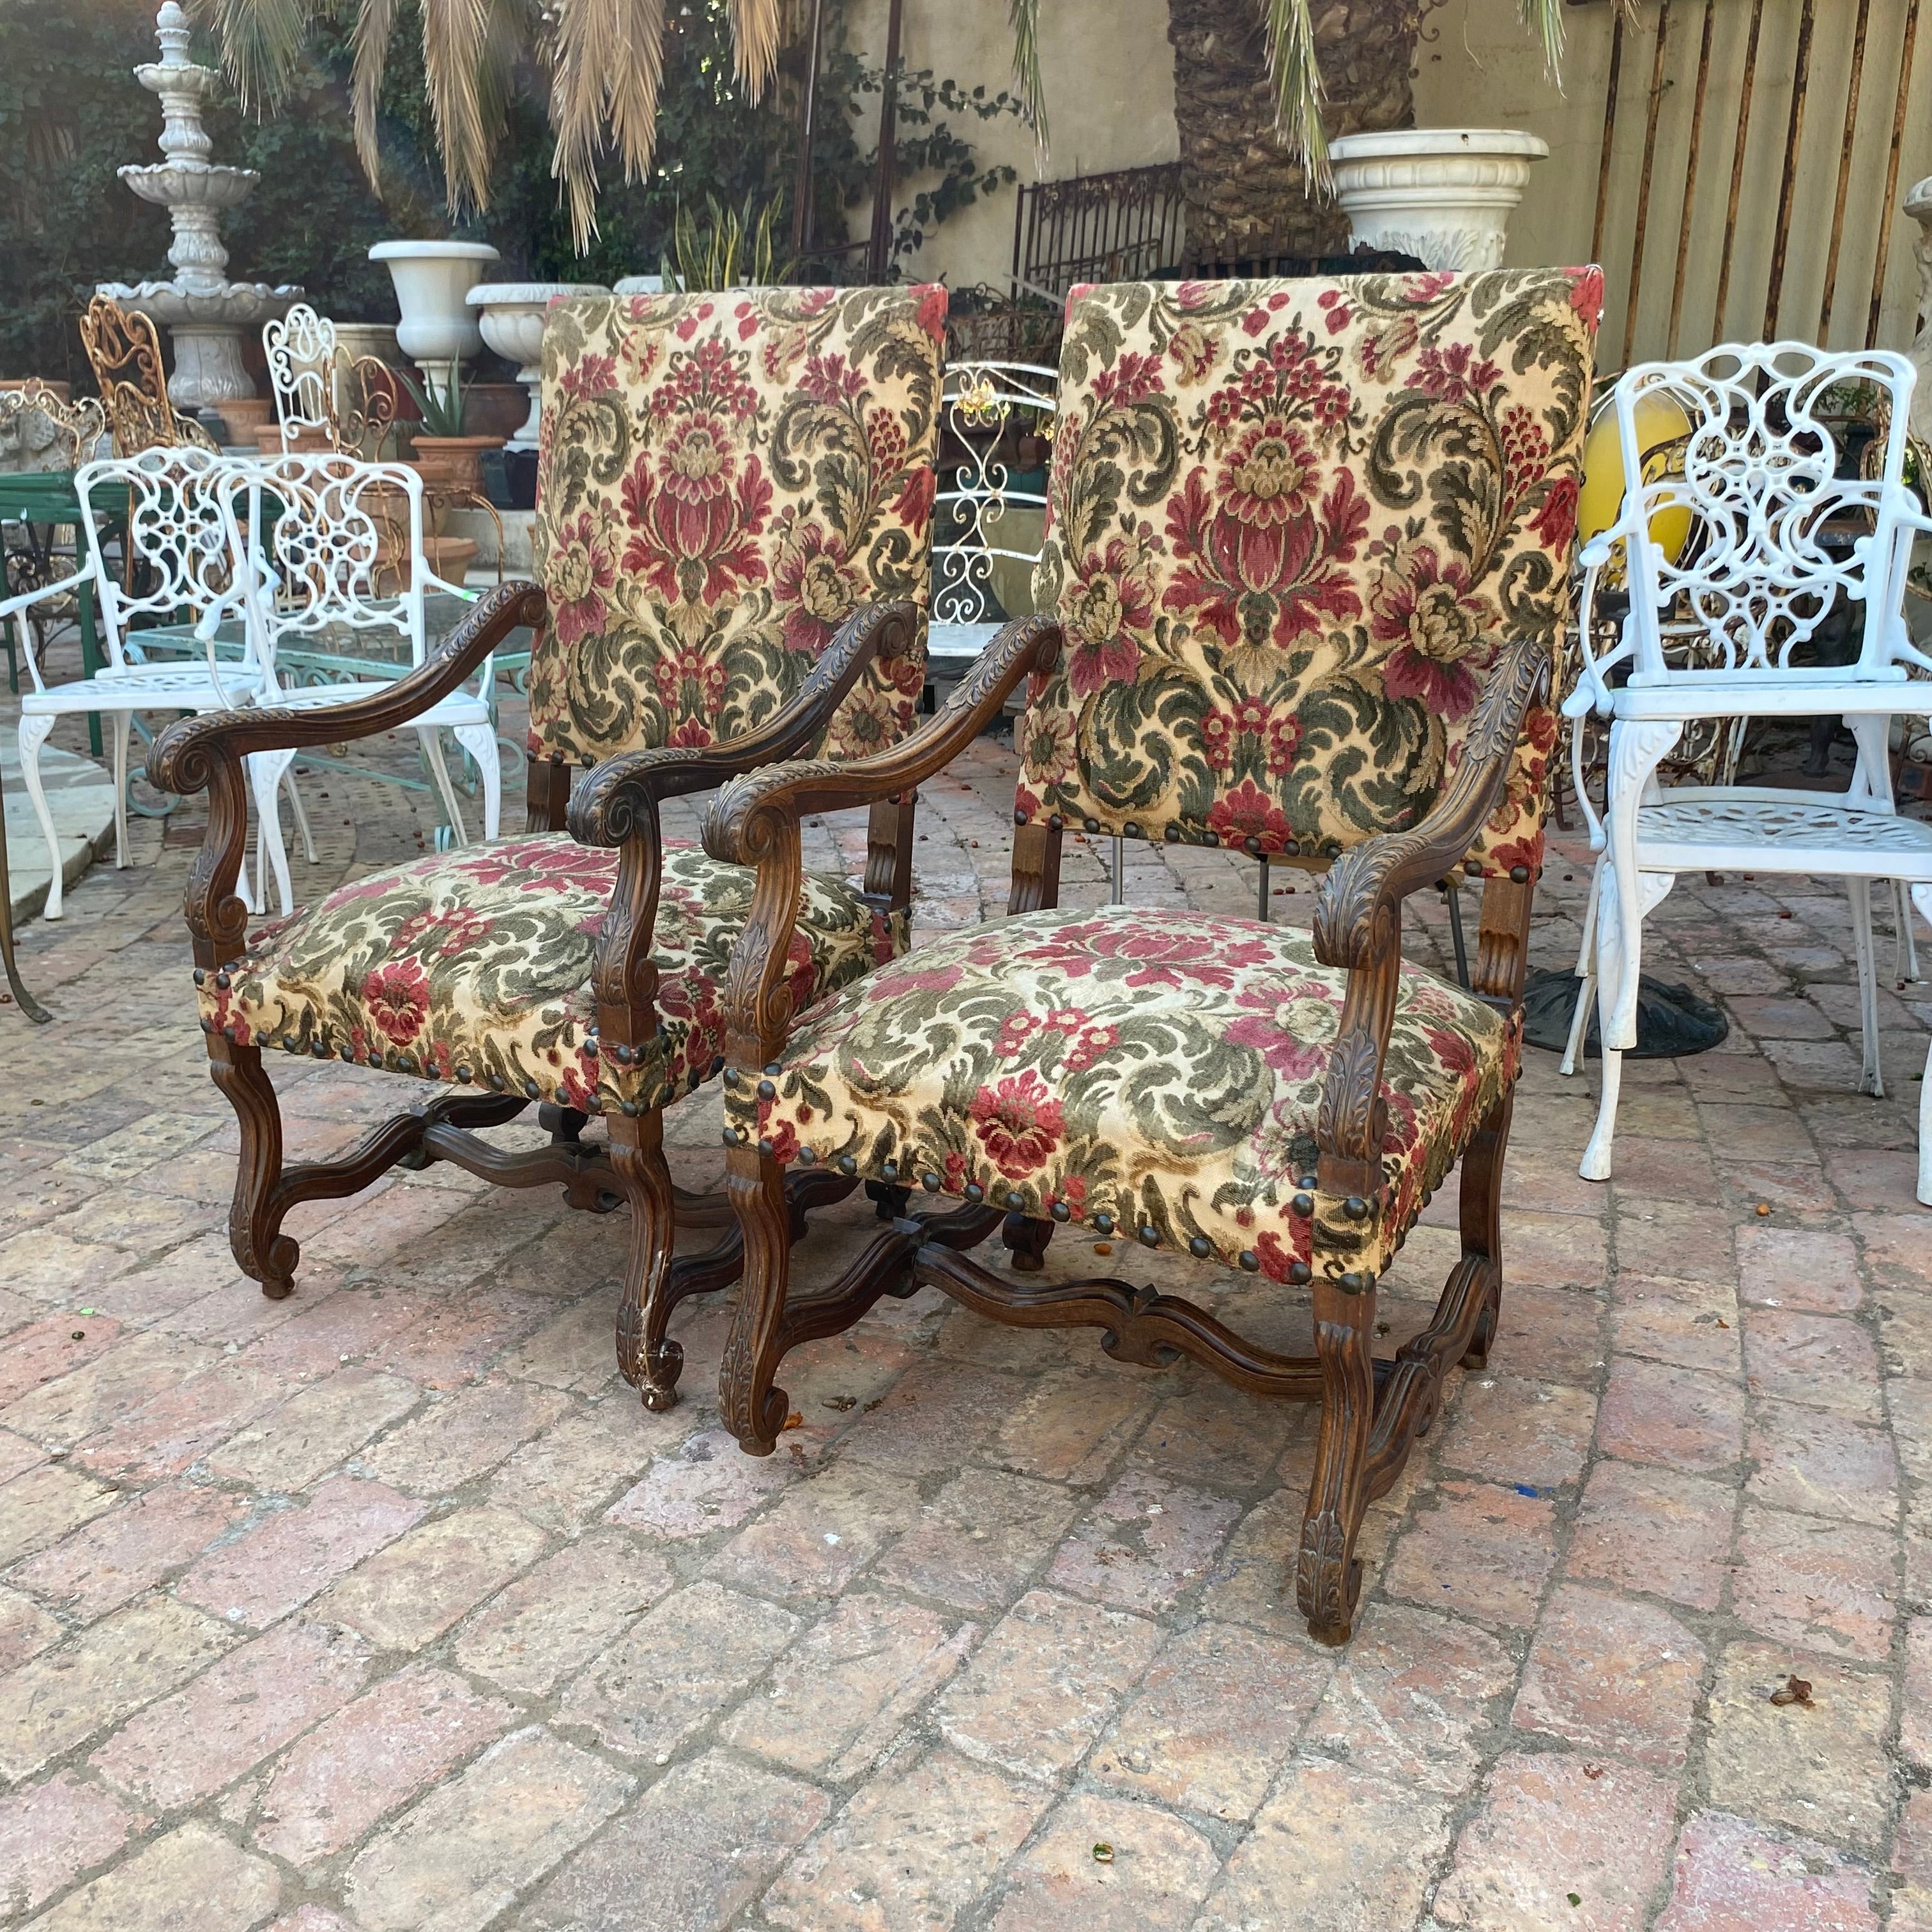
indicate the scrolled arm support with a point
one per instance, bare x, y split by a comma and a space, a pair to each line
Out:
206, 754
1358, 923
617, 806
754, 821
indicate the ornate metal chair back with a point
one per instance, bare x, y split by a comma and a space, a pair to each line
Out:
178, 563
1292, 524
125, 352
723, 480
45, 430
301, 351
992, 512
333, 548
1782, 541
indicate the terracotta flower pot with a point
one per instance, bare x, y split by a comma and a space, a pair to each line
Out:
309, 442
451, 464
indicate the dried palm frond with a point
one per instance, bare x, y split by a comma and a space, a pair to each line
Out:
604, 59
1297, 86
755, 32
1023, 15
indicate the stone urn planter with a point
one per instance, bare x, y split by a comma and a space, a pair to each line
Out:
1442, 194
1918, 206
436, 330
513, 325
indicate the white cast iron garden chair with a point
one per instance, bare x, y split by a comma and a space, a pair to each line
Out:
183, 571
1780, 540
334, 552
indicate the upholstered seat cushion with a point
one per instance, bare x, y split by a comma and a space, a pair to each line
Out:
1136, 1069
474, 966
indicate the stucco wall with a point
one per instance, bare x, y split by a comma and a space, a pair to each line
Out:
1109, 77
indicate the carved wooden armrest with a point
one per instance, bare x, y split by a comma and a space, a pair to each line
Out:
1358, 921
206, 754
606, 807
754, 821
617, 804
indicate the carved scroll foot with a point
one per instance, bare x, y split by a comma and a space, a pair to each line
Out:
647, 1357
262, 1251
1328, 1578
1026, 1242
752, 1407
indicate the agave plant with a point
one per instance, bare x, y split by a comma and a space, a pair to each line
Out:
604, 59
442, 410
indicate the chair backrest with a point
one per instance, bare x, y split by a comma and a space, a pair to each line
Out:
40, 429
722, 480
333, 547
179, 559
300, 348
991, 510
125, 353
1292, 524
1779, 537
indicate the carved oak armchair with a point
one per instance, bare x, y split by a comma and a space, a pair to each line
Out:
732, 499
1308, 548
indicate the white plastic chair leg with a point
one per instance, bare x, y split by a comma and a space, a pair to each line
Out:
1907, 961
480, 742
34, 732
266, 770
1871, 1076
1595, 1164
120, 724
432, 745
1586, 973
295, 806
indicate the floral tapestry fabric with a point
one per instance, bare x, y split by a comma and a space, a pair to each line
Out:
1138, 1070
723, 480
1291, 526
474, 966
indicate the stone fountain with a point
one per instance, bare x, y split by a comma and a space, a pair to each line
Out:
203, 312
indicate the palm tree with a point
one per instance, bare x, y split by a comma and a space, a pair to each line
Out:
603, 60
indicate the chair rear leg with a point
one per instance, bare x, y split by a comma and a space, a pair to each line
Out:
120, 724
301, 812
1328, 1577
266, 770
432, 748
647, 1357
480, 742
33, 729
1574, 1054
262, 1251
1871, 1074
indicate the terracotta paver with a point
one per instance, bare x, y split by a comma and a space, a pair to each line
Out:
388, 1607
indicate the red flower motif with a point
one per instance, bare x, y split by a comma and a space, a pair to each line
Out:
590, 376
1527, 852
914, 504
1248, 812
934, 301
397, 993
1019, 1122
828, 380
693, 733
1451, 375
1108, 606
1273, 1256
784, 1143
580, 570
1586, 295
1556, 523
1087, 1047
1131, 379
1426, 609
815, 588
1020, 1027
1073, 1192
1256, 554
1284, 739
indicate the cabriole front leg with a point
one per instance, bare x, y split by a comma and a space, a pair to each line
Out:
752, 1409
1328, 1576
262, 1251
649, 1360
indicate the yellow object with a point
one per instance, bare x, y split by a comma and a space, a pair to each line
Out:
1662, 428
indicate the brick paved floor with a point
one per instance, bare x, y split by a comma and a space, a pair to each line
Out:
386, 1609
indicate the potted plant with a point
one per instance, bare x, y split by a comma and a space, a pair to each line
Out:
450, 463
